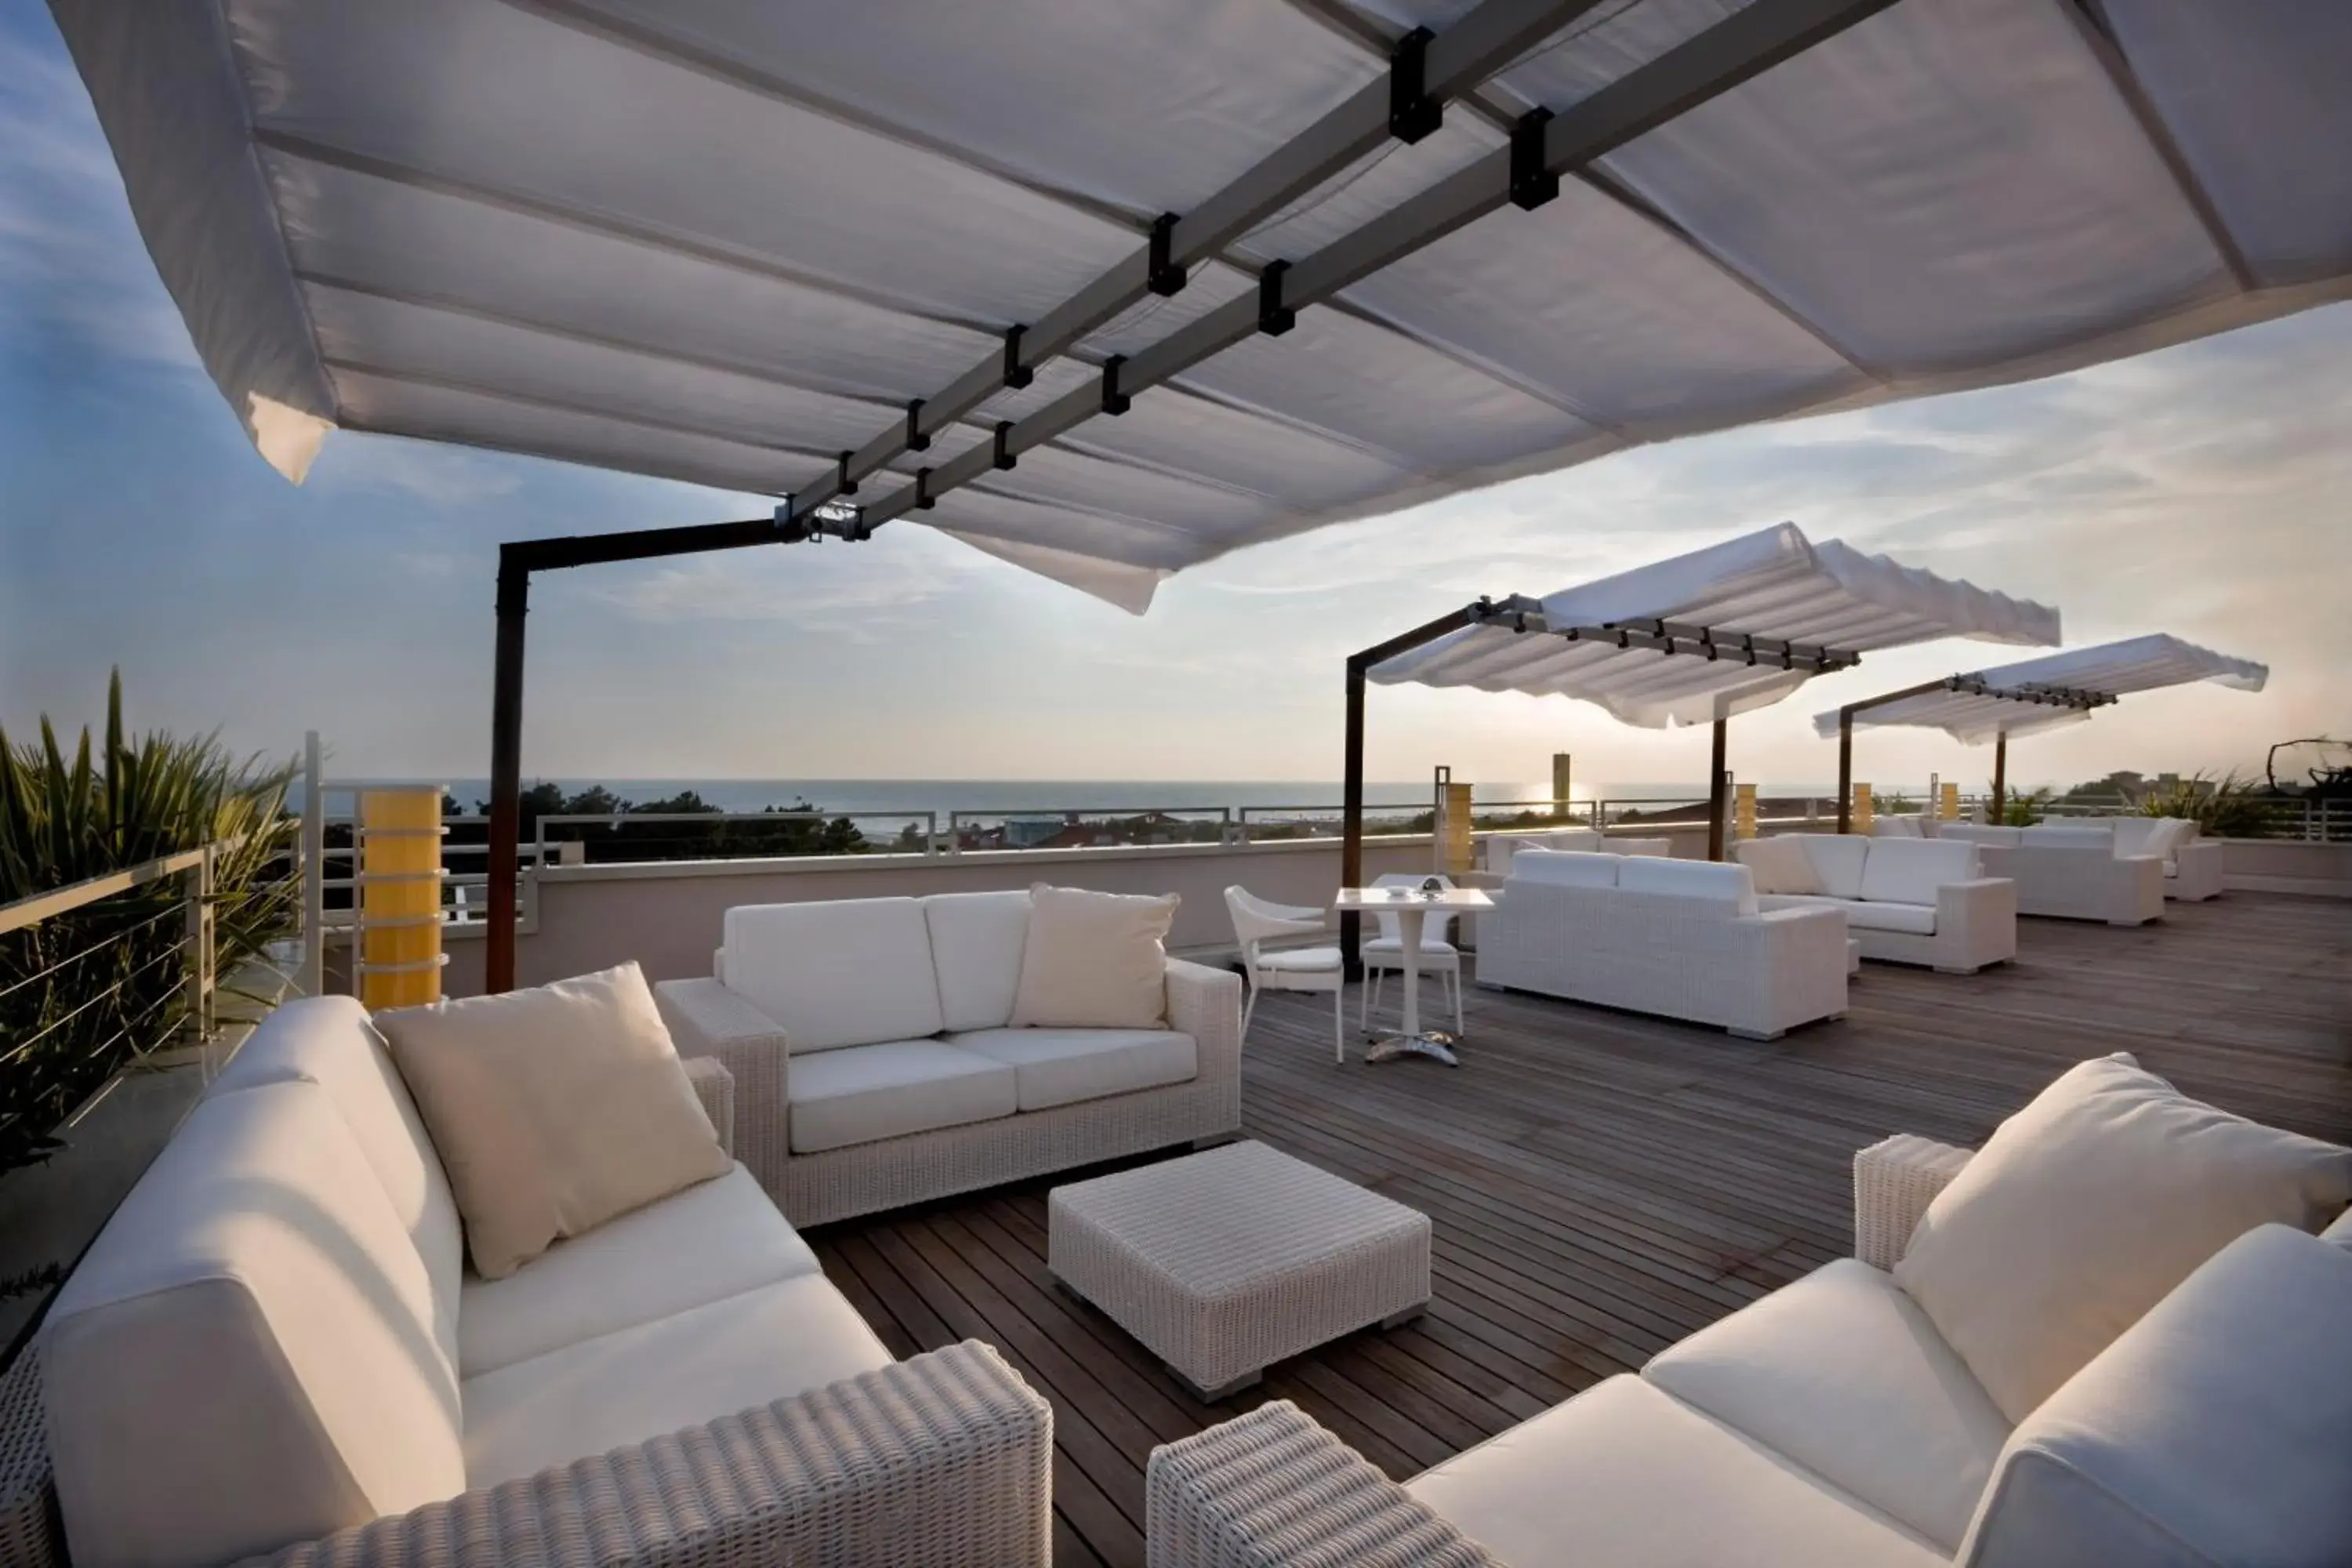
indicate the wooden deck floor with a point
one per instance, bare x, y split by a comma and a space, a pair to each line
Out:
1603, 1183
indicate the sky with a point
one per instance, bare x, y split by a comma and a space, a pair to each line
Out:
2202, 491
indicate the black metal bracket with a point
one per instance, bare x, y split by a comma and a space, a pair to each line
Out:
1016, 374
1114, 401
1004, 459
1532, 184
915, 440
790, 529
1412, 114
840, 519
924, 501
1164, 277
1273, 317
842, 484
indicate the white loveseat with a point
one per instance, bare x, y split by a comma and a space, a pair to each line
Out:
1829, 1424
1495, 850
2070, 871
275, 1346
874, 1066
2192, 866
1905, 901
1682, 939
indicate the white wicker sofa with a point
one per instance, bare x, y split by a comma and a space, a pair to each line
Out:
2070, 871
2191, 867
1495, 850
1682, 939
274, 1347
874, 1067
1829, 1422
1906, 901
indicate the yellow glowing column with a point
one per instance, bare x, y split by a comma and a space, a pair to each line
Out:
1862, 808
1453, 825
1743, 811
1949, 808
400, 954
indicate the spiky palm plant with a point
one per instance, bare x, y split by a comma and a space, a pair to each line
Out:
85, 992
2227, 808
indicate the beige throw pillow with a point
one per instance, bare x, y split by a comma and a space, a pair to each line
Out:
1094, 960
553, 1109
1779, 865
2085, 1208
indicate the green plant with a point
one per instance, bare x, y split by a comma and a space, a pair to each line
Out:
2226, 807
2023, 809
88, 992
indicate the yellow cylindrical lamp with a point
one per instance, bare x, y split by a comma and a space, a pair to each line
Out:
1862, 808
1453, 828
400, 955
1949, 808
1743, 811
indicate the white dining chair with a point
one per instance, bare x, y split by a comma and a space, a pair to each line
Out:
1437, 954
1256, 922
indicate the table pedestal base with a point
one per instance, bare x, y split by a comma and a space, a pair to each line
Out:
1431, 1043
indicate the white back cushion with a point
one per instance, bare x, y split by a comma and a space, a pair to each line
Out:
1981, 833
2168, 836
1896, 828
1838, 859
1565, 867
245, 1358
1909, 870
2055, 836
1659, 847
1711, 882
2086, 1208
1778, 865
976, 942
2217, 1429
328, 1040
849, 973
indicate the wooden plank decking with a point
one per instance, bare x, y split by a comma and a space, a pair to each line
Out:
1603, 1183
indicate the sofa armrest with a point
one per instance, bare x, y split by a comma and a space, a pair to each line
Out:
943, 1459
715, 1086
1976, 922
1206, 1004
1272, 1486
1895, 1180
705, 1019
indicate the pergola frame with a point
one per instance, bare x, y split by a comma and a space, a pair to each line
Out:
1524, 616
2033, 694
1425, 70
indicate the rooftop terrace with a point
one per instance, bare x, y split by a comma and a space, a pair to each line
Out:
1603, 1183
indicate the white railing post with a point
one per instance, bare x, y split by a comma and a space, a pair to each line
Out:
199, 902
313, 981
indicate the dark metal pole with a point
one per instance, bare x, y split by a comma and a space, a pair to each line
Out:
1845, 769
2000, 774
506, 770
1716, 793
1351, 785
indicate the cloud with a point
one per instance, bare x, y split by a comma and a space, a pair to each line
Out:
446, 475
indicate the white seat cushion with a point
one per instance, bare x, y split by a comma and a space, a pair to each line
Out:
860, 1093
660, 1377
1062, 1067
1624, 1477
1392, 949
328, 1040
2086, 1208
976, 942
1909, 870
708, 1242
848, 973
1838, 860
1565, 867
1914, 918
1715, 884
245, 1358
2215, 1430
1842, 1373
1301, 960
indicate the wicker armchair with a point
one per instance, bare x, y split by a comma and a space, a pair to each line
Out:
1274, 1487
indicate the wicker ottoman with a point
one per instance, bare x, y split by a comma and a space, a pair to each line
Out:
1224, 1262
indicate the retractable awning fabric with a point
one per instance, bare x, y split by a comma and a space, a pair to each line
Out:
729, 243
1813, 601
2108, 670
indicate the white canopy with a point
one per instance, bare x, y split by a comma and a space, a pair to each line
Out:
1995, 702
729, 242
1775, 586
